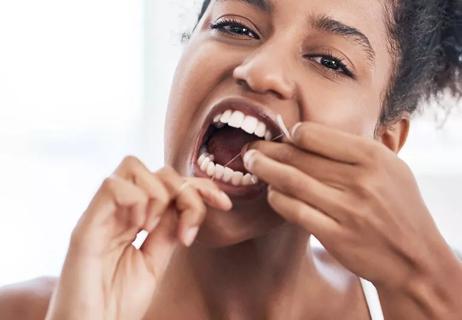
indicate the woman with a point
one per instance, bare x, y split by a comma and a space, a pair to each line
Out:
230, 217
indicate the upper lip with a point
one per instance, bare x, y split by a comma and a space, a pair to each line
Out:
248, 107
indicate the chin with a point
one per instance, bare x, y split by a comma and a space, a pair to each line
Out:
243, 223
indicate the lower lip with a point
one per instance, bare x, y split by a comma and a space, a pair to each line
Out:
241, 192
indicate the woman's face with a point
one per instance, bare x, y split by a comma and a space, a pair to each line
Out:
325, 61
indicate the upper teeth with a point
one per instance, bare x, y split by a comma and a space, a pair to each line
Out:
238, 120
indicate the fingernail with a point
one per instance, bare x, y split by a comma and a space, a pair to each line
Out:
190, 235
226, 199
155, 222
248, 156
295, 128
244, 149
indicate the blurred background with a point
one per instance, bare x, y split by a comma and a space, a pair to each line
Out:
84, 83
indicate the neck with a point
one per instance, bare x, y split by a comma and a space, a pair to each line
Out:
269, 272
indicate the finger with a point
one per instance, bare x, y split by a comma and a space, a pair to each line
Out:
298, 212
293, 182
116, 193
160, 244
117, 210
193, 211
211, 194
134, 170
189, 203
330, 143
324, 169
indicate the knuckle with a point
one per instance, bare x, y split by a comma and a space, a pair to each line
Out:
163, 196
359, 218
260, 145
162, 200
166, 170
200, 207
109, 184
130, 161
368, 188
363, 182
346, 205
374, 153
287, 154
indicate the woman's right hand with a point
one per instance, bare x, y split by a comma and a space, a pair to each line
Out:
104, 276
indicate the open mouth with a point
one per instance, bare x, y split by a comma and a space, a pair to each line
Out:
229, 127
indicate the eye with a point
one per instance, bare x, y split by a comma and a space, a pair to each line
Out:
332, 63
234, 28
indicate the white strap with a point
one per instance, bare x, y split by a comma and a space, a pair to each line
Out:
372, 300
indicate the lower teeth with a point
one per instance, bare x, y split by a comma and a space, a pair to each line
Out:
223, 173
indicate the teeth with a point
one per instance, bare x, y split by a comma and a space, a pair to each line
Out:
260, 130
236, 179
236, 120
239, 120
250, 124
219, 172
247, 180
201, 159
226, 116
205, 164
225, 174
211, 169
228, 174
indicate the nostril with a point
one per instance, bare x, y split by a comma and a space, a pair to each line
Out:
242, 83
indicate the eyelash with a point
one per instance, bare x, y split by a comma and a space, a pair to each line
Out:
223, 24
229, 26
341, 67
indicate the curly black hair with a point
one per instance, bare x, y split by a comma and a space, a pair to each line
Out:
426, 44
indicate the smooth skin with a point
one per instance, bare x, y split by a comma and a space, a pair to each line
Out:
342, 182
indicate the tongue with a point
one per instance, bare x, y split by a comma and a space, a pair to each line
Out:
227, 143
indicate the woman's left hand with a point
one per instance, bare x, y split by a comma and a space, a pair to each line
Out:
357, 198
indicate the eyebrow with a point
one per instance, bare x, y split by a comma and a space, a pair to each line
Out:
330, 25
263, 5
326, 24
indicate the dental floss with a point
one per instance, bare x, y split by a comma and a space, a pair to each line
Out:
229, 162
283, 128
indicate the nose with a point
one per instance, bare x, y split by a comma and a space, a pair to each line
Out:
266, 71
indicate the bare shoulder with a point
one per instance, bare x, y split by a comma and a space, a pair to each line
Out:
345, 285
26, 300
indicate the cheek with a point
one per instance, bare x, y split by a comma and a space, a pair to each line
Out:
348, 108
199, 72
